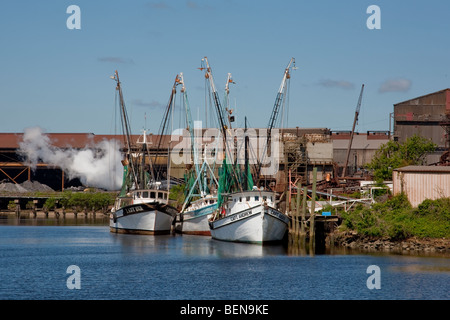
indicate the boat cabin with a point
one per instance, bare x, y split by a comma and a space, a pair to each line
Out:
150, 195
202, 202
239, 201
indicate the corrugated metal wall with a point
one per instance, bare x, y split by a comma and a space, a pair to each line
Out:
419, 186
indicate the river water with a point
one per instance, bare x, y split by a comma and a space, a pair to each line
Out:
55, 259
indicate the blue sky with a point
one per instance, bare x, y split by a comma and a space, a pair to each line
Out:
58, 79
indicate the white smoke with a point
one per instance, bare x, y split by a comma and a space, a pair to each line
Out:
96, 166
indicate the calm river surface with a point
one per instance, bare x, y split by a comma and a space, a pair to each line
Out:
35, 255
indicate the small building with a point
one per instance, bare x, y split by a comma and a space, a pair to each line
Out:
422, 182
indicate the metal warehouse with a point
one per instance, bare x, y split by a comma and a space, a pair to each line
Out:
422, 182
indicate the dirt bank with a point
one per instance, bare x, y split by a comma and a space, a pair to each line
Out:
353, 240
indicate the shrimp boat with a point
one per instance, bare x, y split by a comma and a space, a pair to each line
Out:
195, 214
142, 211
245, 212
249, 216
142, 206
195, 219
201, 200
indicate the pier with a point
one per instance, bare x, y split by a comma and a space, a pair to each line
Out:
33, 206
308, 229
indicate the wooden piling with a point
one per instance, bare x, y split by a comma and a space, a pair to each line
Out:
303, 224
312, 235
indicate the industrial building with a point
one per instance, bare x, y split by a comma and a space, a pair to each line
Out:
363, 149
427, 116
300, 150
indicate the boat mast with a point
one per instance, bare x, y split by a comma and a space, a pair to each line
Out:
220, 115
246, 168
125, 124
275, 111
163, 126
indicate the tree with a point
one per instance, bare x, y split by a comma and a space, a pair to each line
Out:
393, 154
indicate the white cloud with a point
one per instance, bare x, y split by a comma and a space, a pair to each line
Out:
395, 85
336, 84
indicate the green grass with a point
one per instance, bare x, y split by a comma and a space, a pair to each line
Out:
396, 219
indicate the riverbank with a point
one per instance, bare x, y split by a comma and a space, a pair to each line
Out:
353, 240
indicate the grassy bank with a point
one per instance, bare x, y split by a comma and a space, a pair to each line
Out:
396, 219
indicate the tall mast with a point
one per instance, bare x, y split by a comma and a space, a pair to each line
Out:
246, 167
125, 124
220, 115
164, 122
275, 111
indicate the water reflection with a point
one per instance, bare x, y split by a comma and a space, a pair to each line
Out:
239, 250
53, 220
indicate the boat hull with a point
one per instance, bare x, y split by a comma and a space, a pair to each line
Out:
143, 218
260, 224
196, 222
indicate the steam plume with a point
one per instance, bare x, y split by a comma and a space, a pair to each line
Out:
96, 166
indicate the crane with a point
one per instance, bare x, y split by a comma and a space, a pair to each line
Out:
275, 111
358, 106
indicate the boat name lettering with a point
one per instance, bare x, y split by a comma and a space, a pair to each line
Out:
134, 209
277, 214
241, 215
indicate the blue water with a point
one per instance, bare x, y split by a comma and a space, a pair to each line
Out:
34, 262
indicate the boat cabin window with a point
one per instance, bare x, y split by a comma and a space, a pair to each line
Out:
256, 198
165, 196
264, 198
160, 195
153, 194
248, 198
211, 201
145, 194
240, 199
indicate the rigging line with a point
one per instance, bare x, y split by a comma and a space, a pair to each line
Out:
206, 102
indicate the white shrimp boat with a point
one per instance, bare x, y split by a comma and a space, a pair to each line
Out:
142, 206
195, 220
142, 212
251, 217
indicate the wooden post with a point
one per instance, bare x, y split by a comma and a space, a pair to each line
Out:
17, 202
297, 210
303, 219
313, 207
